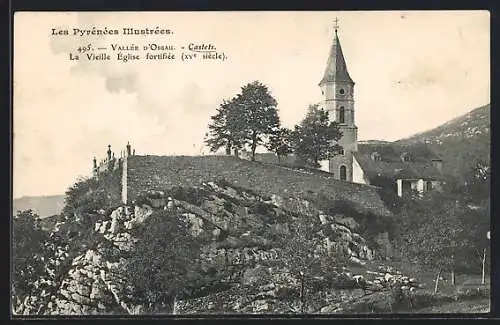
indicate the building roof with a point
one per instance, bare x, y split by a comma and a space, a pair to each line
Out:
387, 160
336, 68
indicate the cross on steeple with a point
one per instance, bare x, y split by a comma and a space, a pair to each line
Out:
336, 24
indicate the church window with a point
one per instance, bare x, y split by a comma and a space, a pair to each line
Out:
341, 91
342, 114
429, 186
322, 92
341, 151
343, 173
375, 156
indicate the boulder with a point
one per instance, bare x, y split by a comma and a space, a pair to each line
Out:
346, 221
216, 232
254, 275
356, 260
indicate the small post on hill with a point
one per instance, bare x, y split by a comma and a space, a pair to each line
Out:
484, 260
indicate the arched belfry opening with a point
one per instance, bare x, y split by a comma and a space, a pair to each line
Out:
342, 114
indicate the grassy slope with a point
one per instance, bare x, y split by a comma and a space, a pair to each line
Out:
464, 282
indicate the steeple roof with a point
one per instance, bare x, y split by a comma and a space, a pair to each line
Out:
336, 69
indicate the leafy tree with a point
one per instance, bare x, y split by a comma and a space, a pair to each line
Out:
314, 139
226, 129
476, 219
433, 233
300, 250
477, 184
28, 250
280, 142
257, 109
162, 261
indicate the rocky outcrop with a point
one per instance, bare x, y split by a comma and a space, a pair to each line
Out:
238, 231
89, 282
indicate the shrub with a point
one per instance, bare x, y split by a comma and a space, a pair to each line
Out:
222, 182
228, 206
169, 253
88, 195
191, 195
28, 246
265, 210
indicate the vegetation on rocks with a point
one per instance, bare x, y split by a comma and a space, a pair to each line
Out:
180, 245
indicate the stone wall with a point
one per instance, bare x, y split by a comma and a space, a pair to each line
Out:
163, 172
111, 182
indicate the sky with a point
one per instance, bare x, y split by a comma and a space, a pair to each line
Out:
412, 71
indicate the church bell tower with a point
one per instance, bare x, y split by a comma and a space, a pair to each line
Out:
337, 89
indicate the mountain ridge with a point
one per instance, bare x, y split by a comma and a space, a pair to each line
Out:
43, 205
479, 115
460, 142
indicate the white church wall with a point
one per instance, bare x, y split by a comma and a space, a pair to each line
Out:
400, 187
324, 165
358, 175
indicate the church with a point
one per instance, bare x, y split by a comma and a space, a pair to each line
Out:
405, 168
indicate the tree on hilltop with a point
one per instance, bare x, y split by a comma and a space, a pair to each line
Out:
226, 129
314, 139
280, 142
257, 108
250, 118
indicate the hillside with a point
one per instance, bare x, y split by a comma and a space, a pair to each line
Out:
470, 125
44, 206
459, 142
249, 237
245, 263
254, 254
164, 172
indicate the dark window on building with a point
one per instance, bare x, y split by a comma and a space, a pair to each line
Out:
341, 91
341, 114
343, 173
341, 152
429, 186
405, 157
406, 189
